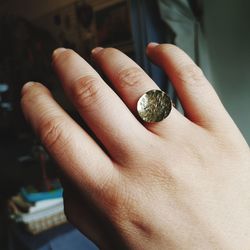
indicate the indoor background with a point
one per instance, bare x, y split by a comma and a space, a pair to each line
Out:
214, 33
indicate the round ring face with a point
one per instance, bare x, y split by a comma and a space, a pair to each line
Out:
154, 106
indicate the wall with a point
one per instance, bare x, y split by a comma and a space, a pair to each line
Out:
228, 34
35, 8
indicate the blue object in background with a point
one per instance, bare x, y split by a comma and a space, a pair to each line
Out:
147, 27
64, 237
72, 240
33, 197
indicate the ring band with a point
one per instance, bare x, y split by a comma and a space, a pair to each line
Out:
154, 106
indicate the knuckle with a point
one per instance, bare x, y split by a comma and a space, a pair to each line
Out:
190, 74
85, 91
131, 77
51, 132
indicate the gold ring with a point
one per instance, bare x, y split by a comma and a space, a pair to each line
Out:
154, 106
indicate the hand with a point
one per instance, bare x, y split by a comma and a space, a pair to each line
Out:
182, 183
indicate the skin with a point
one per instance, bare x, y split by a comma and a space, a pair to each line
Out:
182, 183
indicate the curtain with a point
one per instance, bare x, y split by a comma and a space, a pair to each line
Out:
147, 26
180, 16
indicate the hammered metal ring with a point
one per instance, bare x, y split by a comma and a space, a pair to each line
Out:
154, 106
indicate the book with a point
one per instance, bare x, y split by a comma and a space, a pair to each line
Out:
41, 191
40, 214
43, 204
38, 207
38, 196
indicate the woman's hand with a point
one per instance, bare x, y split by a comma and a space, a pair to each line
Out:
182, 183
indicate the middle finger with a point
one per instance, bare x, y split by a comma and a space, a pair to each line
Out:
103, 111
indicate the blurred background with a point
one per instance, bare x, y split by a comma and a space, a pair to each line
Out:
214, 33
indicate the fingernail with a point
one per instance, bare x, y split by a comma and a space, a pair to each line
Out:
96, 50
152, 45
58, 51
26, 86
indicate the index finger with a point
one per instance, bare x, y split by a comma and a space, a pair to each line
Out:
74, 150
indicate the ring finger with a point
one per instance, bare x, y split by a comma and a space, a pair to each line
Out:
131, 82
